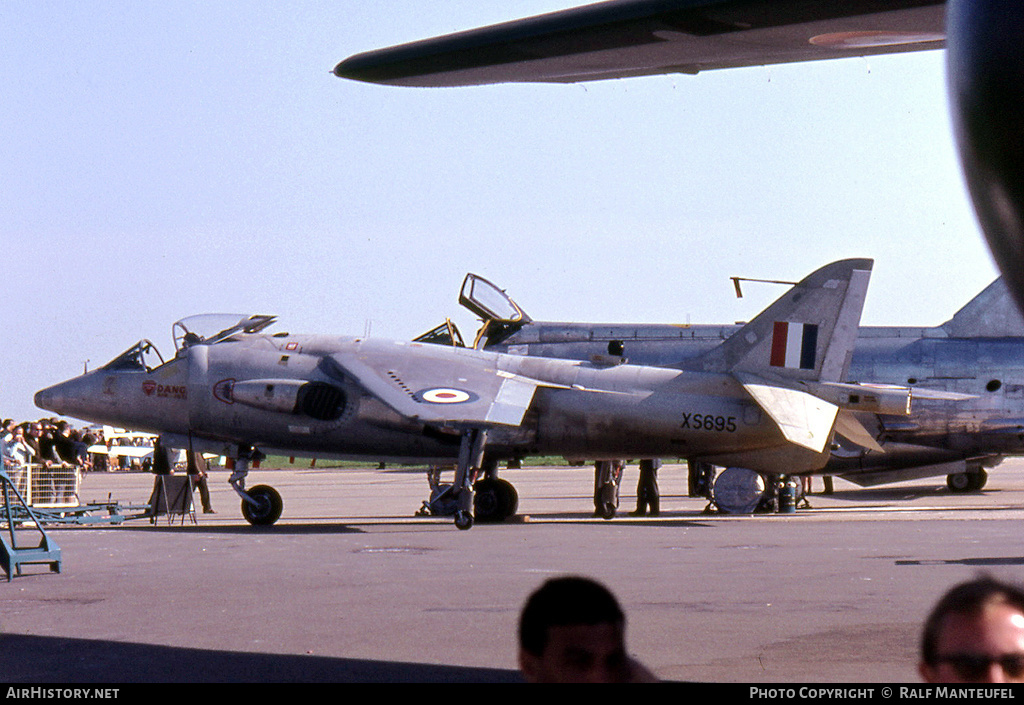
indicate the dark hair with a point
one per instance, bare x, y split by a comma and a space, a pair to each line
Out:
565, 601
968, 598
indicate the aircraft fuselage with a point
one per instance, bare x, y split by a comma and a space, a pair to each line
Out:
256, 392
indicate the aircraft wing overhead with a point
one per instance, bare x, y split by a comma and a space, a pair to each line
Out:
439, 385
625, 38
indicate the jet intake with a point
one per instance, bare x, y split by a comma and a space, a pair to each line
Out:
318, 400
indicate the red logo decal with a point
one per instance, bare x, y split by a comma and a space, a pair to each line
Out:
167, 391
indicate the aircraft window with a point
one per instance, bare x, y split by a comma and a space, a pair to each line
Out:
994, 385
493, 301
489, 302
141, 357
445, 334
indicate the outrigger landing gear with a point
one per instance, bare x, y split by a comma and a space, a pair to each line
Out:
261, 505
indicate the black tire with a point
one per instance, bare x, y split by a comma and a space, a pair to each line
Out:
979, 479
268, 506
494, 500
960, 482
463, 520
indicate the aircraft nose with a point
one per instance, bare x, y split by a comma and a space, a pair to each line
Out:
48, 399
67, 397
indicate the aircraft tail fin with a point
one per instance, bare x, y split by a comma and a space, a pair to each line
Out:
808, 334
991, 314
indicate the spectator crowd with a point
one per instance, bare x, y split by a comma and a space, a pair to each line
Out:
52, 442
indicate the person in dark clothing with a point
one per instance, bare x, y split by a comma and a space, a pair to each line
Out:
64, 444
161, 463
647, 496
197, 469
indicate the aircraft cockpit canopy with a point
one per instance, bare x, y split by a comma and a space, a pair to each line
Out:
501, 316
210, 328
141, 357
489, 302
205, 329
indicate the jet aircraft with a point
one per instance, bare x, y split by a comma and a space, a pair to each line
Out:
624, 38
968, 374
768, 398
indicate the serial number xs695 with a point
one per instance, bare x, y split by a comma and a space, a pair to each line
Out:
709, 422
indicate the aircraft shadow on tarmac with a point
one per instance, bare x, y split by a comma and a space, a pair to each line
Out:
45, 659
666, 519
973, 562
248, 530
331, 525
888, 494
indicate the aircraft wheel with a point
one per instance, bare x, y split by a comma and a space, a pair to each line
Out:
959, 482
979, 479
494, 500
609, 502
463, 520
267, 509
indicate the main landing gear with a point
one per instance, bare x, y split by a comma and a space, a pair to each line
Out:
489, 499
471, 456
494, 499
477, 494
262, 504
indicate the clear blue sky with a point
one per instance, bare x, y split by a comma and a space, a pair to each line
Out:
159, 160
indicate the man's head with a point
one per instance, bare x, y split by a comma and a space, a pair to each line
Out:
573, 630
975, 634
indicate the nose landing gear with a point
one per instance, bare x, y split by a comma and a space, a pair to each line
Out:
261, 505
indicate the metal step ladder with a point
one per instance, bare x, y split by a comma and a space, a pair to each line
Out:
16, 520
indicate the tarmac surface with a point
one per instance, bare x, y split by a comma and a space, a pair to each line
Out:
349, 586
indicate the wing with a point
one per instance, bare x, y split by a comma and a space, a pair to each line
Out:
440, 385
645, 37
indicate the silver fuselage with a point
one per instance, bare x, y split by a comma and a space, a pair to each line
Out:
585, 410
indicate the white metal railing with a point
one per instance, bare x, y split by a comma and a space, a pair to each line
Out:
56, 485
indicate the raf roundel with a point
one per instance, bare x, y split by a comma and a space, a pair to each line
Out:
446, 395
